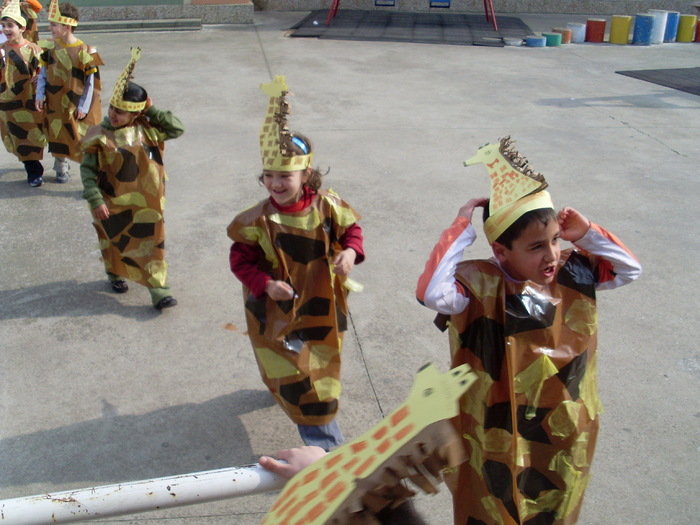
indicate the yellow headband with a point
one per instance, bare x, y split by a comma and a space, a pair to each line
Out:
117, 99
13, 11
275, 137
56, 16
515, 187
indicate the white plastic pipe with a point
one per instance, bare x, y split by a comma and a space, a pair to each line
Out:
138, 496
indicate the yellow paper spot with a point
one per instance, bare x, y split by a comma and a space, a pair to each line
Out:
472, 402
275, 365
147, 216
531, 380
327, 388
580, 450
320, 356
130, 199
564, 418
23, 116
589, 389
151, 180
55, 126
574, 480
497, 440
103, 244
308, 222
582, 317
134, 274
253, 233
489, 503
547, 500
522, 449
144, 249
126, 136
158, 271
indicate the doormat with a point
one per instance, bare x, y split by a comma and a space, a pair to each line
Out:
683, 79
424, 28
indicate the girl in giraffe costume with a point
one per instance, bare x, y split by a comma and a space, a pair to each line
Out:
124, 183
293, 253
68, 88
526, 322
20, 122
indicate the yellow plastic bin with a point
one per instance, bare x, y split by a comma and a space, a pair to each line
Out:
686, 28
620, 29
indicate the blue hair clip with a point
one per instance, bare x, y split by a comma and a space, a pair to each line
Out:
303, 146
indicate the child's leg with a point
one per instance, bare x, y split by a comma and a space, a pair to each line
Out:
61, 167
118, 284
326, 436
35, 172
162, 298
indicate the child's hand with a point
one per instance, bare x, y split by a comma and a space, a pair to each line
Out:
39, 105
279, 290
79, 115
468, 209
149, 103
344, 262
572, 224
297, 459
101, 213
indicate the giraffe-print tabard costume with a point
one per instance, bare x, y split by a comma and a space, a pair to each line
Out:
297, 343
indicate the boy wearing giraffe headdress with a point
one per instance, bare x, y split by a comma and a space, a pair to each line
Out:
29, 10
68, 88
20, 122
293, 252
526, 322
124, 183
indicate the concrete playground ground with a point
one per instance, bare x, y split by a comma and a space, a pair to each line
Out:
98, 388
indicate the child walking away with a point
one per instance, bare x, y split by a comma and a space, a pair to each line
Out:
20, 123
124, 183
293, 253
526, 322
68, 88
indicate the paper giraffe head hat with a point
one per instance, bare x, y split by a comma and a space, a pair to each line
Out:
515, 187
277, 143
56, 16
117, 99
13, 11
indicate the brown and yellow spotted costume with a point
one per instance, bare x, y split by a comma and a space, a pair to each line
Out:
67, 68
530, 422
297, 343
20, 123
123, 168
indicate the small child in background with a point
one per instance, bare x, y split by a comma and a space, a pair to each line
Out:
68, 88
124, 183
526, 322
293, 253
20, 122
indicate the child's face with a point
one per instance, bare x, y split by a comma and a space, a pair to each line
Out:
59, 31
534, 255
285, 187
12, 31
119, 118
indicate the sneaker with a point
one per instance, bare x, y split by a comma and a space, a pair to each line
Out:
119, 286
165, 302
36, 182
62, 177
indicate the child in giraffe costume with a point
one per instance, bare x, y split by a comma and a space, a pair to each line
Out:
68, 88
29, 10
124, 183
526, 322
20, 122
293, 253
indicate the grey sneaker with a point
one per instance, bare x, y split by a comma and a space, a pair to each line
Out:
62, 178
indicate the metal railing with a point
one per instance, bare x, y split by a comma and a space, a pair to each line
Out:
138, 496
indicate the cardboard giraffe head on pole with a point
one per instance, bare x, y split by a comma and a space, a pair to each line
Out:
356, 481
